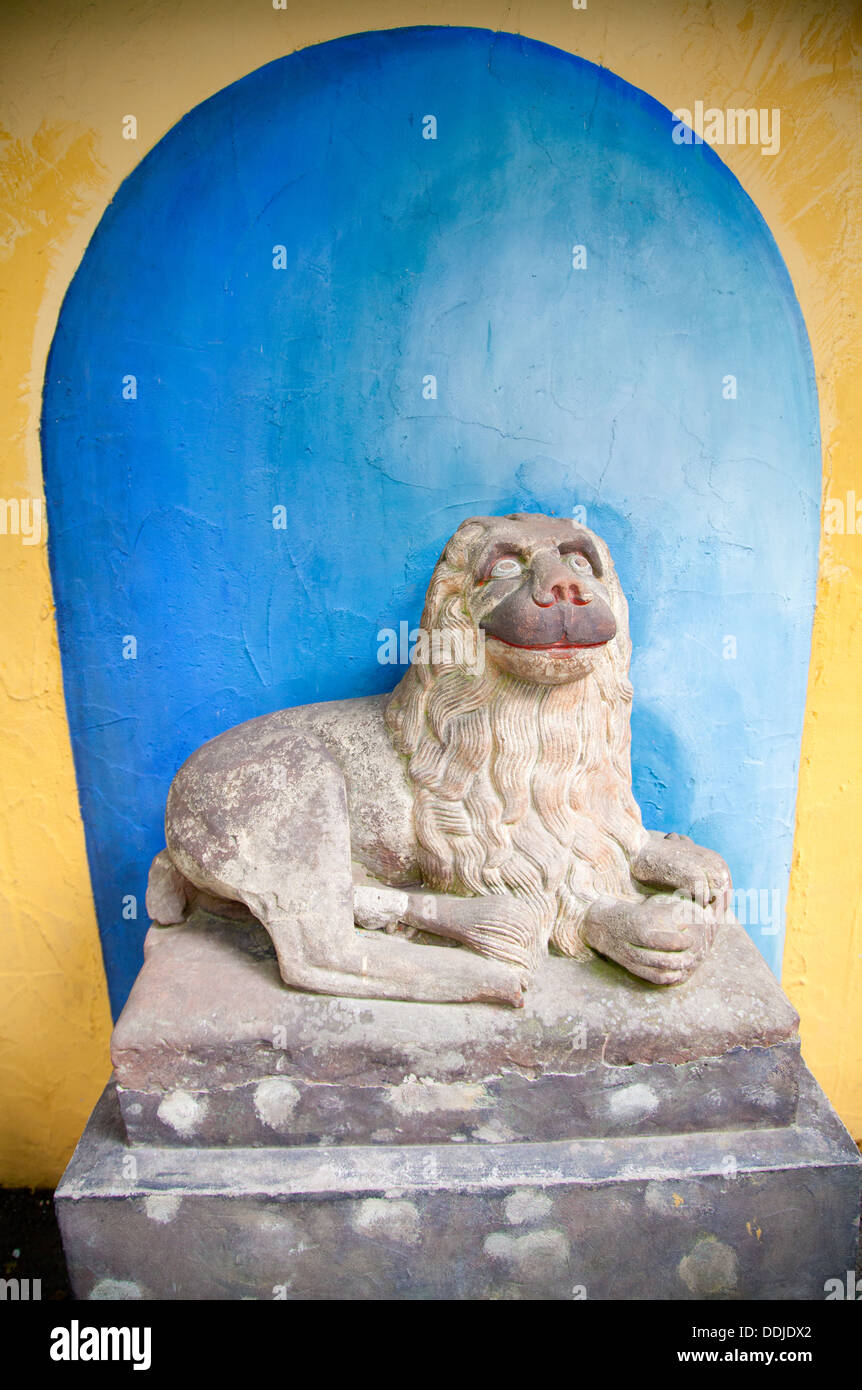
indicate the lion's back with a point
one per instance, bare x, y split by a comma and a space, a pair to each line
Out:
379, 797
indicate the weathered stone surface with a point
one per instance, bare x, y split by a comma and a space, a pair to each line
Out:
213, 1049
766, 1214
490, 798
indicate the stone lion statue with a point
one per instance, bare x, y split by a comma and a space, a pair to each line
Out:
486, 803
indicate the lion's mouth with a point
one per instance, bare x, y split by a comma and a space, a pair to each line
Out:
560, 630
553, 648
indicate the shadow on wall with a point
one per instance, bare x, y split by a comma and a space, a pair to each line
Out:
315, 330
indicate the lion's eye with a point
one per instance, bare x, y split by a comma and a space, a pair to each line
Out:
578, 561
507, 568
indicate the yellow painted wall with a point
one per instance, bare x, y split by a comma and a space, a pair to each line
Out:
71, 70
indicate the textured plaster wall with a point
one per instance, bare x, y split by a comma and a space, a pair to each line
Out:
556, 387
71, 73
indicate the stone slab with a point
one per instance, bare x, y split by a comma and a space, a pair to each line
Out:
757, 1214
213, 1049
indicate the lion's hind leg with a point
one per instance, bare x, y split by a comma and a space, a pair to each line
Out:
260, 815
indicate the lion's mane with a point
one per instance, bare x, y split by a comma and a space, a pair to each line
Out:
519, 788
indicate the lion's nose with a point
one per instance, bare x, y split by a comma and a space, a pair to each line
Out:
557, 584
571, 592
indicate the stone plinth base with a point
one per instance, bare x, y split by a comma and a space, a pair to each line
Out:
768, 1213
611, 1140
213, 1049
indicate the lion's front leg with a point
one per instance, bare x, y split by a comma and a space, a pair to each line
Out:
661, 938
675, 863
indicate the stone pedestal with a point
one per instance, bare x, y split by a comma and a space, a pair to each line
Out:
610, 1140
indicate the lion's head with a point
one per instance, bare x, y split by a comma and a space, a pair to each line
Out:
520, 764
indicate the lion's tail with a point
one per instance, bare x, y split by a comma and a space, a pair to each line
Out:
168, 892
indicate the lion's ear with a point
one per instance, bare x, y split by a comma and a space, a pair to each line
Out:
446, 584
451, 573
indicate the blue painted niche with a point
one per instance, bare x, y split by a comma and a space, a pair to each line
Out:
302, 387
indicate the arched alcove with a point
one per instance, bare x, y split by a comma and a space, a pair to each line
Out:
404, 258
